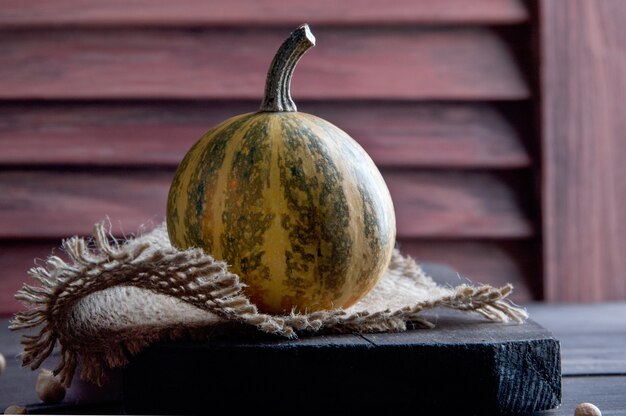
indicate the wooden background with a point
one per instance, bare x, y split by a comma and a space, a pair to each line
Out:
99, 101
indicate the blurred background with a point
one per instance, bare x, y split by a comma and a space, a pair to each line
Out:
497, 124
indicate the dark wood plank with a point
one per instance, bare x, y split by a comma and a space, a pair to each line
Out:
33, 13
605, 392
485, 366
47, 203
587, 353
17, 386
584, 190
348, 63
467, 135
495, 262
592, 336
17, 383
590, 318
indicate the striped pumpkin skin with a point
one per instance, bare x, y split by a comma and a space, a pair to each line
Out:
294, 206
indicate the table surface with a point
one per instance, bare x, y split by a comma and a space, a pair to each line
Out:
593, 346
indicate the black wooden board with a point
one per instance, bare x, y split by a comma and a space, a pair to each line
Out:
464, 365
592, 347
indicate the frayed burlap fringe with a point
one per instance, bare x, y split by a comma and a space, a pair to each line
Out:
113, 299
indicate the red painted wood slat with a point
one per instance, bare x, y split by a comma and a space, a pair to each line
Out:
492, 262
348, 63
584, 148
35, 13
460, 204
395, 134
46, 203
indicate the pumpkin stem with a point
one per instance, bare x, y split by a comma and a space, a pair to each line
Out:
278, 82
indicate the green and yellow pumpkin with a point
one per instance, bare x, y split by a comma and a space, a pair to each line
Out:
291, 202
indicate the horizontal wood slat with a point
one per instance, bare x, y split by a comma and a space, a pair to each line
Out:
464, 135
30, 13
56, 204
231, 63
486, 262
453, 204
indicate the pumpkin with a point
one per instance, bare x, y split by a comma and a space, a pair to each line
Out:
291, 202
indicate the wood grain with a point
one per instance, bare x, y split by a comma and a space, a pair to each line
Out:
460, 204
457, 335
46, 203
395, 134
348, 63
489, 368
58, 204
592, 336
584, 184
33, 13
607, 392
605, 387
492, 262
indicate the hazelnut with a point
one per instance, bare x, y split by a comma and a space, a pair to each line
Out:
3, 364
49, 388
587, 409
15, 410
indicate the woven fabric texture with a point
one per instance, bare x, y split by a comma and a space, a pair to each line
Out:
112, 299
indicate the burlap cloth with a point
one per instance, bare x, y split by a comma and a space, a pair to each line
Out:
112, 299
